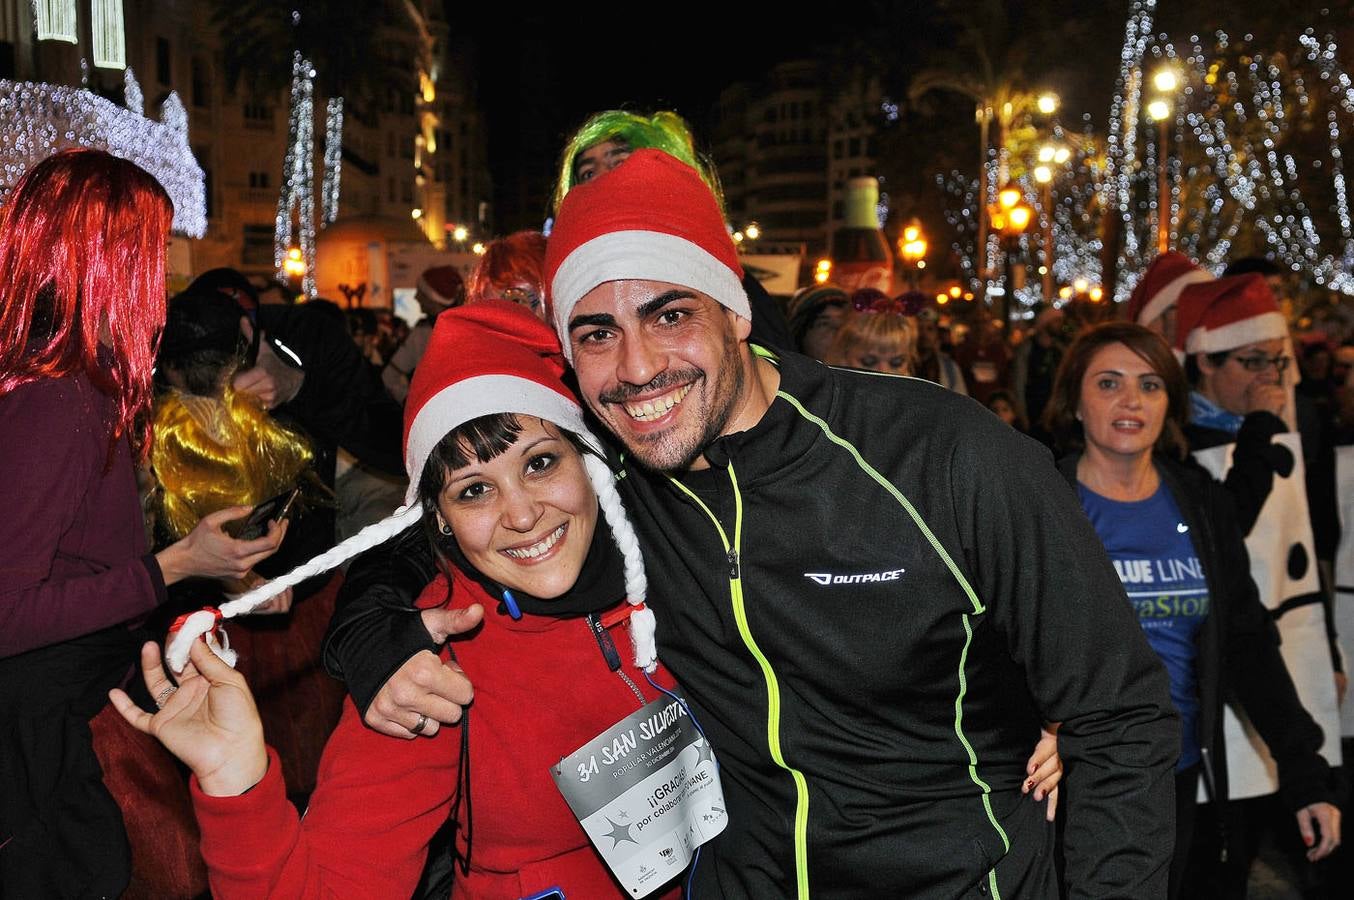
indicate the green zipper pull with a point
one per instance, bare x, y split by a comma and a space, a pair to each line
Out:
733, 564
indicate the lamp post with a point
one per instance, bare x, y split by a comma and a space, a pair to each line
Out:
1010, 216
912, 248
1050, 155
1159, 110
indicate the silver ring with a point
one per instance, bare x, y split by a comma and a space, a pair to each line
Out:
421, 724
164, 696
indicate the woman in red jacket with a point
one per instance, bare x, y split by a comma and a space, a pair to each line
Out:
508, 483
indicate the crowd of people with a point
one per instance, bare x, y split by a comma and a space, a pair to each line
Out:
607, 475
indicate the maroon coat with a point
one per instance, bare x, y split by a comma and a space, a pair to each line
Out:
73, 554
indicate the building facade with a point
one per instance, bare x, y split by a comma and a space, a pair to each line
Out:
413, 152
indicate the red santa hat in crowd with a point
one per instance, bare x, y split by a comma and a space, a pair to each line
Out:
651, 218
442, 285
482, 359
1226, 313
1160, 286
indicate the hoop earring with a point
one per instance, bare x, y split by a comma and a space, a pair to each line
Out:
443, 527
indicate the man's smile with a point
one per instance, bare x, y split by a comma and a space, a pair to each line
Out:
655, 407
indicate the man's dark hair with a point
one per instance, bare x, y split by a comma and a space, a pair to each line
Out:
202, 339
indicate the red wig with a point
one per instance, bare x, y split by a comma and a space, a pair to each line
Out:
82, 279
519, 257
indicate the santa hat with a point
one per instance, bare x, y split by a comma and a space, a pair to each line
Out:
1220, 315
442, 285
482, 359
1160, 286
651, 218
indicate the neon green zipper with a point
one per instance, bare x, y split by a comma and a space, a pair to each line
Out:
732, 553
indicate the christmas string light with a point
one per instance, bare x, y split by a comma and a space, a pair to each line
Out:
333, 159
131, 92
37, 120
298, 176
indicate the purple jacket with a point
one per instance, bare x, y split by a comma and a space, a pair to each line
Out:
73, 554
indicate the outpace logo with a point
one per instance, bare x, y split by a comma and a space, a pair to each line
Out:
829, 578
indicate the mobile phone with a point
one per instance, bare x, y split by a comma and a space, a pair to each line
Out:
255, 524
553, 893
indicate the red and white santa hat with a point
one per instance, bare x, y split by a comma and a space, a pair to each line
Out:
1160, 286
651, 218
485, 358
482, 359
1226, 313
442, 285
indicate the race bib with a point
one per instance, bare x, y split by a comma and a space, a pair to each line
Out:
647, 792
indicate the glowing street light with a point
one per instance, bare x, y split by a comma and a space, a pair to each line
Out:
912, 248
1043, 174
478, 249
1047, 104
753, 231
294, 265
823, 271
460, 233
1159, 110
1166, 81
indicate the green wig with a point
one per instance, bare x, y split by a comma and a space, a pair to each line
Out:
664, 131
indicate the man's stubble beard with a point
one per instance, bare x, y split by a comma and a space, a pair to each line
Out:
665, 453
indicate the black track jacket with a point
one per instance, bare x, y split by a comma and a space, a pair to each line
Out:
872, 598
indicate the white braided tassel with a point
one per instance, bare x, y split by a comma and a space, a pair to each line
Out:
642, 624
198, 624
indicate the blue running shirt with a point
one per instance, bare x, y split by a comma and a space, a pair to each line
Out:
1150, 546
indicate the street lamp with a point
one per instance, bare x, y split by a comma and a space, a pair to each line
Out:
1010, 216
753, 231
1165, 80
294, 266
1159, 111
460, 233
1047, 104
912, 248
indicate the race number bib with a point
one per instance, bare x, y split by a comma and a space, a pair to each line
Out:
647, 792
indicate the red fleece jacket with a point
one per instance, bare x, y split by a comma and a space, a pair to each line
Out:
542, 688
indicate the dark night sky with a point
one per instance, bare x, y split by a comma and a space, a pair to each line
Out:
542, 71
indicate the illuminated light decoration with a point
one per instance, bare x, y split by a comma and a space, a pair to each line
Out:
55, 20
333, 160
298, 176
37, 120
131, 92
108, 33
1122, 138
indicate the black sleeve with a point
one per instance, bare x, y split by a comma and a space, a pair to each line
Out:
1254, 463
376, 628
1256, 674
1057, 600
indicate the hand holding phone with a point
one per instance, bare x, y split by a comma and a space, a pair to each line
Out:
255, 525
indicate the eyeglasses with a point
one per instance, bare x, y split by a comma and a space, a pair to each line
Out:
528, 297
1262, 363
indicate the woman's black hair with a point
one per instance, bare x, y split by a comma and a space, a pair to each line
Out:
485, 437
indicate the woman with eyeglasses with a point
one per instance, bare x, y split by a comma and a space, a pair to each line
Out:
513, 269
1118, 410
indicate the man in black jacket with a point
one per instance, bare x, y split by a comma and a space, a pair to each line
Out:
872, 592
